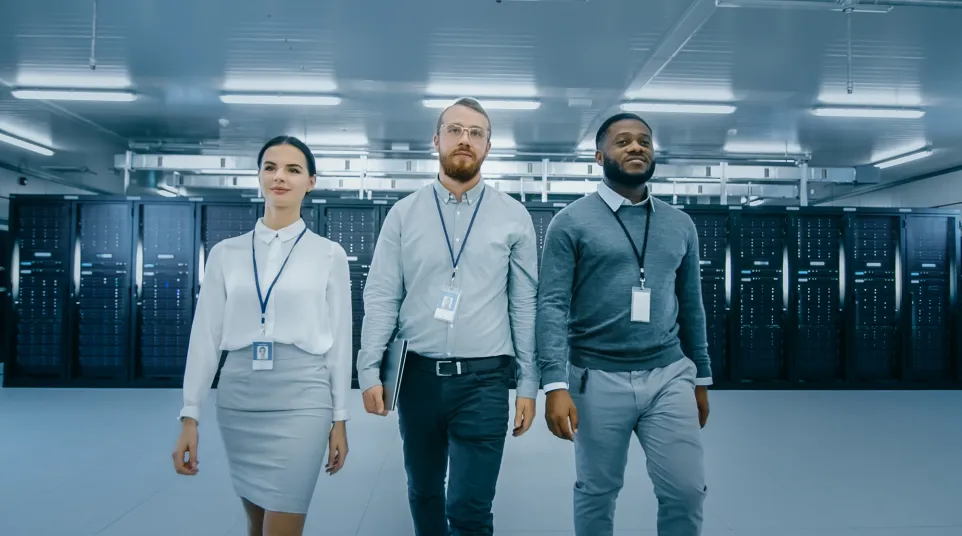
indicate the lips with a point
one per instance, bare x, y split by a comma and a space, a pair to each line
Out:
637, 159
280, 190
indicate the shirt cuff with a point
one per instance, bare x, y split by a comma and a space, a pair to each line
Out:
368, 378
192, 412
341, 415
555, 386
703, 381
527, 389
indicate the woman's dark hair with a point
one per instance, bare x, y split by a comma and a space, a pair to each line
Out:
290, 140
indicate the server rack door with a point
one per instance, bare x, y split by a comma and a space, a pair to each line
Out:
541, 218
355, 227
5, 285
815, 289
927, 251
104, 301
222, 221
714, 250
40, 289
873, 262
166, 300
760, 271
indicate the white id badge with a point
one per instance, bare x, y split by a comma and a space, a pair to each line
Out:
640, 305
448, 305
263, 355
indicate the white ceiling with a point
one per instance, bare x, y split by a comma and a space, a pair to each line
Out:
580, 58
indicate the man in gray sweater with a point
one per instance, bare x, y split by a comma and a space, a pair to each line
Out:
622, 340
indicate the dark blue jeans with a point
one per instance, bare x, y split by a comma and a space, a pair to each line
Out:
463, 419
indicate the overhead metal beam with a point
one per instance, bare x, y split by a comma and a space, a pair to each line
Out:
674, 41
545, 170
536, 188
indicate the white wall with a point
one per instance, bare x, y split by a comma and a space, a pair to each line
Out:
940, 191
9, 184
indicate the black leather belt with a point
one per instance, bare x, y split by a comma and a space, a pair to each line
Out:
456, 366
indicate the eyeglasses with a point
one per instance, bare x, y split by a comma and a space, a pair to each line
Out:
475, 134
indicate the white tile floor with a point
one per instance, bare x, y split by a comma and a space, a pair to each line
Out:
97, 462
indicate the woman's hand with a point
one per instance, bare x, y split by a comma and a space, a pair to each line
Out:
186, 444
337, 447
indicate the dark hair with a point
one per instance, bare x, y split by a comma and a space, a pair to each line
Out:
296, 143
603, 130
467, 102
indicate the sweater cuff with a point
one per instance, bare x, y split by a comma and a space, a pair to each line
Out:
554, 373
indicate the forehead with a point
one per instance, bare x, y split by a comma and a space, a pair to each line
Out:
285, 155
464, 116
629, 127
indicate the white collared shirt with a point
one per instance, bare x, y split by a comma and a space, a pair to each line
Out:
309, 307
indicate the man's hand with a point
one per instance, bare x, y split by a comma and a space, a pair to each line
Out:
701, 396
374, 400
559, 411
524, 411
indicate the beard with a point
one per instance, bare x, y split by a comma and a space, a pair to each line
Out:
616, 173
461, 171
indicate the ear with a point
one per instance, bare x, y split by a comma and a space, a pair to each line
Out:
487, 149
599, 158
437, 143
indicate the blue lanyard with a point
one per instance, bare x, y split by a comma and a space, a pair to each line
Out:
447, 239
263, 300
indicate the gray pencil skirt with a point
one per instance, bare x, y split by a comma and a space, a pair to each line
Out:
275, 425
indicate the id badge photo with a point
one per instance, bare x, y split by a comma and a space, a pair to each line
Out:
263, 358
448, 305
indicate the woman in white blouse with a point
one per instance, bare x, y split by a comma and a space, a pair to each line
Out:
278, 299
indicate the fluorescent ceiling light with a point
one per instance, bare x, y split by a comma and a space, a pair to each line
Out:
911, 157
274, 99
228, 172
887, 113
25, 145
74, 95
804, 4
487, 103
502, 143
677, 107
762, 148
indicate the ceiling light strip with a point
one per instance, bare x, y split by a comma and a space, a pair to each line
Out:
881, 113
74, 95
488, 104
280, 99
23, 144
678, 107
904, 159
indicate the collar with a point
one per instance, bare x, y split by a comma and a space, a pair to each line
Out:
470, 197
266, 234
614, 200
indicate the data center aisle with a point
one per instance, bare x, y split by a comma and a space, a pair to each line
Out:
844, 463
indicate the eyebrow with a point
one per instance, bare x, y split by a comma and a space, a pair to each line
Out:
288, 165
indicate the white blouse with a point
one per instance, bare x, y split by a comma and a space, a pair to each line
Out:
310, 307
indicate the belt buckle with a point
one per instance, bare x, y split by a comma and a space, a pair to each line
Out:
437, 367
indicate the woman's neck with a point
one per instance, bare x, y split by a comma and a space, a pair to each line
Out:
277, 218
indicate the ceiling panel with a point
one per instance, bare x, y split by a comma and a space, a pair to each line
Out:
382, 57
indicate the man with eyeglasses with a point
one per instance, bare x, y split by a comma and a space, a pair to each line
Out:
455, 271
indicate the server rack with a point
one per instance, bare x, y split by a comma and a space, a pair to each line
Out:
713, 226
355, 225
760, 296
166, 270
868, 297
928, 283
873, 301
41, 290
815, 328
5, 308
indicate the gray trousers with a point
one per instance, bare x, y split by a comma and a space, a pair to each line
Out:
659, 407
